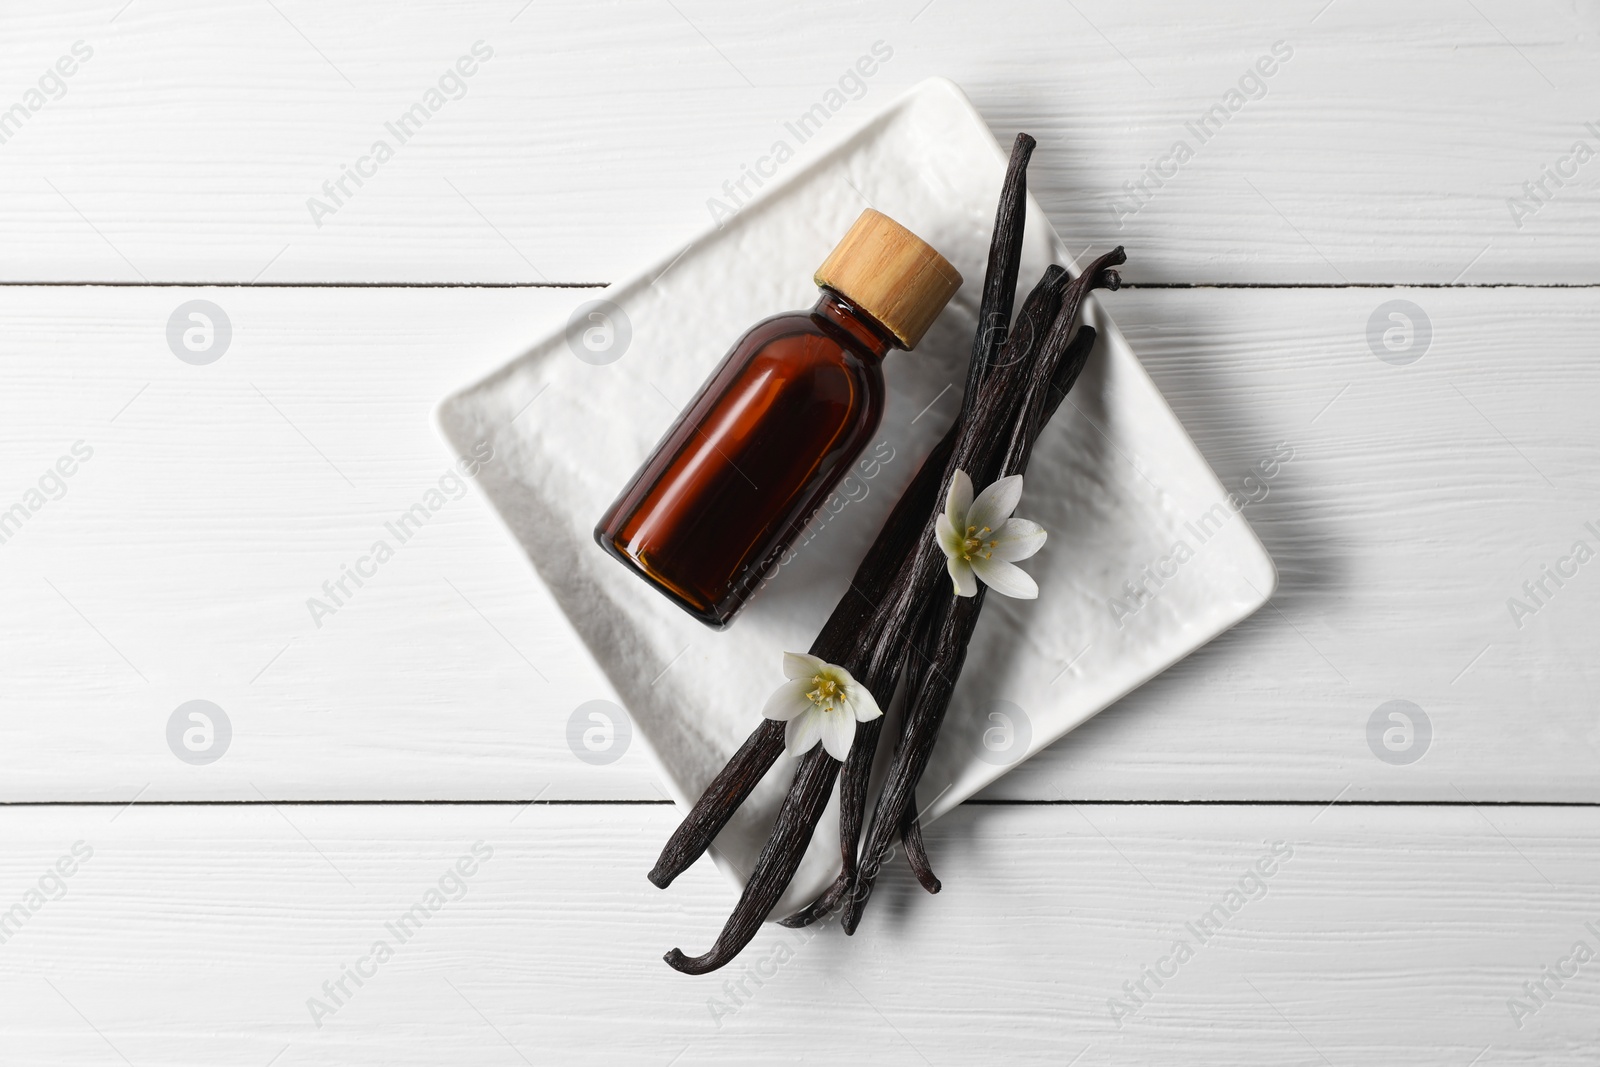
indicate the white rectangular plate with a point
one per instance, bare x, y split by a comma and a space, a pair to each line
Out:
1123, 491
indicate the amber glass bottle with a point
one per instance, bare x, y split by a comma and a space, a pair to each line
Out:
776, 426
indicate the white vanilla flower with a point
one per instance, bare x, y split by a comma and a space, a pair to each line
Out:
982, 541
820, 701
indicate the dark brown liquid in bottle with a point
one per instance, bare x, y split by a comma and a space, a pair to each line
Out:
752, 457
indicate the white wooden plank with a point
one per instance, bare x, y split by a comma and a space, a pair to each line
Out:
1419, 501
1385, 147
197, 935
179, 562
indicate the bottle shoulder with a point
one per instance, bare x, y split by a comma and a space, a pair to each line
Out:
811, 358
784, 324
807, 337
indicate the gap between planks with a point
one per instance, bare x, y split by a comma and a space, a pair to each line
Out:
602, 285
1006, 803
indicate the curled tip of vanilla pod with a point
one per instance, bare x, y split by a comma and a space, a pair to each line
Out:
917, 854
775, 867
691, 964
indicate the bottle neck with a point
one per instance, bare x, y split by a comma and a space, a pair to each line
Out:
868, 335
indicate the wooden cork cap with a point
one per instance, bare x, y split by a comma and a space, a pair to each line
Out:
891, 274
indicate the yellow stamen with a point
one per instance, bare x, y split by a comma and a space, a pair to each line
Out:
826, 694
975, 545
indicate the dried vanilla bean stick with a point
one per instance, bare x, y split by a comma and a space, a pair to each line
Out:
977, 449
999, 297
1072, 363
852, 811
941, 646
924, 714
720, 800
894, 617
734, 783
1039, 310
1000, 275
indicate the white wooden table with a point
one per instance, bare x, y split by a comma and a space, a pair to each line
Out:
1396, 153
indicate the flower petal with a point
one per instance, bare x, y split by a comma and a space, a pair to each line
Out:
788, 700
861, 702
803, 732
1007, 579
1017, 539
838, 732
950, 539
958, 501
996, 503
961, 575
801, 665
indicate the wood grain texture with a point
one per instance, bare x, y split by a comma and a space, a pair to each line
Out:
197, 936
1383, 147
219, 499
